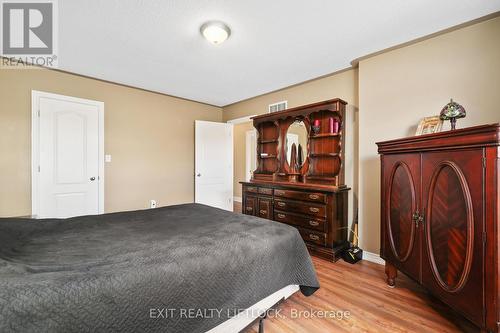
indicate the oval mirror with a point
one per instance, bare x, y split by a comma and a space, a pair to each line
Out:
296, 135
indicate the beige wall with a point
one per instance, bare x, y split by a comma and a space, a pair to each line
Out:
395, 90
398, 88
342, 85
150, 137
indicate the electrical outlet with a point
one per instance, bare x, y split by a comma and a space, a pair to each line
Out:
152, 204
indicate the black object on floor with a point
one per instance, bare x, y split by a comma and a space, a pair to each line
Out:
352, 255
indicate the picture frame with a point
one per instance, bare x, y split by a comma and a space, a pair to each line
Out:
429, 125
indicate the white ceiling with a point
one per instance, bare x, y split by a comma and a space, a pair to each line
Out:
156, 45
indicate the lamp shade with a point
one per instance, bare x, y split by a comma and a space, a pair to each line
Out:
452, 111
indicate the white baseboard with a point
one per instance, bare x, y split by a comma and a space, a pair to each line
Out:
372, 257
238, 199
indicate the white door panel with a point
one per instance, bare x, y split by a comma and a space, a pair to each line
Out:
250, 153
214, 164
69, 158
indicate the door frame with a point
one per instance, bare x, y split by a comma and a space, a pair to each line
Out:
35, 144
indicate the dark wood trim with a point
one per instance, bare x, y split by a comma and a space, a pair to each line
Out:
470, 137
307, 186
492, 251
330, 254
299, 110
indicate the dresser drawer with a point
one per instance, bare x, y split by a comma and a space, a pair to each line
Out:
300, 220
300, 207
298, 195
314, 237
265, 190
251, 189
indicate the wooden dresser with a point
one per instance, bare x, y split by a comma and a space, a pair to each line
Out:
299, 178
439, 217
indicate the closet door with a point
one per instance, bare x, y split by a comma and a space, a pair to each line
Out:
401, 196
453, 265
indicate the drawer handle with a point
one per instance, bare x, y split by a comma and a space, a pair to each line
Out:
314, 237
263, 212
281, 216
313, 196
277, 192
314, 223
281, 204
249, 209
314, 209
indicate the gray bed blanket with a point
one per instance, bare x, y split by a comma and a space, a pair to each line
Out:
136, 271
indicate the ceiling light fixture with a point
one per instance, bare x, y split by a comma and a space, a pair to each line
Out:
215, 32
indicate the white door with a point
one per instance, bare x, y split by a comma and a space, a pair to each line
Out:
250, 154
214, 164
68, 144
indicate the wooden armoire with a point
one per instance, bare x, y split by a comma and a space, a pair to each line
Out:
439, 217
299, 178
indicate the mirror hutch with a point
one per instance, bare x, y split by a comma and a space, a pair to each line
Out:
299, 178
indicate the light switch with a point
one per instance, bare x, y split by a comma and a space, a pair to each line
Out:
107, 158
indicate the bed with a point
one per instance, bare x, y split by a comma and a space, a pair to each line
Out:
183, 268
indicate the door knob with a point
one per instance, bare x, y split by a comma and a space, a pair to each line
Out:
198, 175
92, 179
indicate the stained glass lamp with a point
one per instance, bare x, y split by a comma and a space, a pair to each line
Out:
452, 111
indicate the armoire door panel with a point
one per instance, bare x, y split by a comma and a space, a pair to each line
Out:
401, 200
458, 218
453, 264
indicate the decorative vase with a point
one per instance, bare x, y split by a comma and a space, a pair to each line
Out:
333, 125
315, 127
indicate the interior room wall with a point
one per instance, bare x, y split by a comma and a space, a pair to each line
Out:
394, 90
399, 87
150, 137
339, 85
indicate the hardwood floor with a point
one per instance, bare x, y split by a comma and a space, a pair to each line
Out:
361, 290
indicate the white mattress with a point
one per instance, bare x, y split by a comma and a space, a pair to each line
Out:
244, 318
